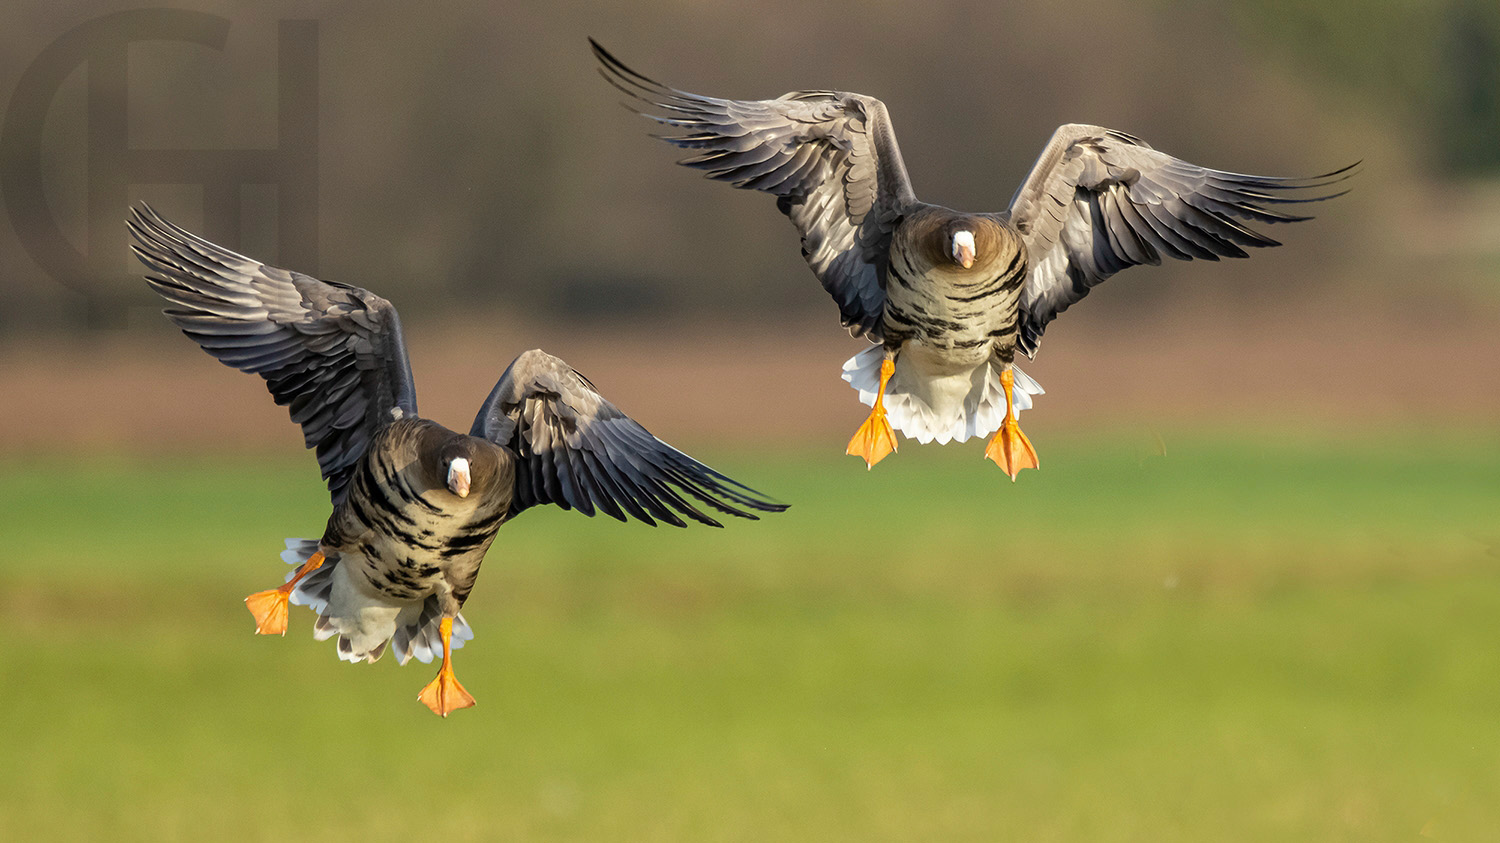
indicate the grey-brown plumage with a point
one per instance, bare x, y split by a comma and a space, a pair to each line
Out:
416, 505
404, 537
1096, 201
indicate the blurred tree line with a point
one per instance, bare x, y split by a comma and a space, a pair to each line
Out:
472, 159
1433, 63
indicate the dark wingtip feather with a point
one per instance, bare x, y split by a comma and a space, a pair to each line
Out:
608, 59
643, 88
618, 74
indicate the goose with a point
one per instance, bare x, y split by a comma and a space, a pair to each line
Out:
415, 505
947, 297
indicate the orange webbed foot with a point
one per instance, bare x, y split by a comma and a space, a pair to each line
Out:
444, 694
270, 607
1011, 450
270, 611
874, 441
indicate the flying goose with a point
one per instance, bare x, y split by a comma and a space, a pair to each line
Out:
948, 297
415, 505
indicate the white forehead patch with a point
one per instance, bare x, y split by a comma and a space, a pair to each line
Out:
459, 466
964, 239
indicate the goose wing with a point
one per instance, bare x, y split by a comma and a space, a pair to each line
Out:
1098, 201
829, 157
577, 450
329, 352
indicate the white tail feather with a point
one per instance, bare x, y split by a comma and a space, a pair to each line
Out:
941, 407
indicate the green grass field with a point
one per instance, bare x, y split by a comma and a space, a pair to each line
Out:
1243, 639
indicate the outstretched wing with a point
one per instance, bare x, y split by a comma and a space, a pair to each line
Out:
1098, 201
579, 451
829, 157
330, 352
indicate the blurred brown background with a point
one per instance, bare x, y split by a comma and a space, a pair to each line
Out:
473, 168
1287, 620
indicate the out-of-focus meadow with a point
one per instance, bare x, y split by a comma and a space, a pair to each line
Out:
1247, 639
1251, 595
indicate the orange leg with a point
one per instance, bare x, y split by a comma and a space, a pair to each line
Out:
875, 440
443, 694
1010, 449
270, 607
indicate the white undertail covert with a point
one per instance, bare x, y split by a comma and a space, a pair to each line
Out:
940, 407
